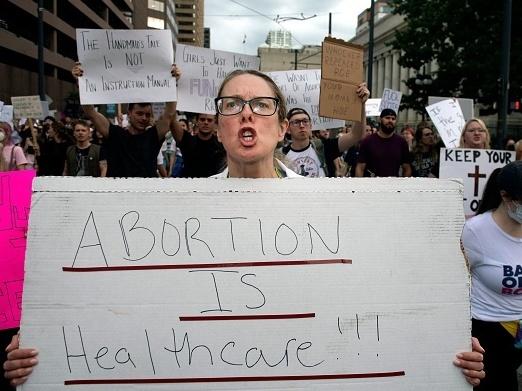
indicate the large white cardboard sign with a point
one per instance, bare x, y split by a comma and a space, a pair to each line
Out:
372, 107
301, 89
466, 105
125, 66
202, 71
449, 121
230, 284
474, 167
391, 99
6, 115
28, 107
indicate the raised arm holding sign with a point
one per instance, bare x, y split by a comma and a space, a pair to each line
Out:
341, 75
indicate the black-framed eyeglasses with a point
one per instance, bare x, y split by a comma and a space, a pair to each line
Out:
299, 122
232, 105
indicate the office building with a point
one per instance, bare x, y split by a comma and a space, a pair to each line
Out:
190, 21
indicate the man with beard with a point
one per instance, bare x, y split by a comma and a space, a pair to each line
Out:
203, 154
384, 152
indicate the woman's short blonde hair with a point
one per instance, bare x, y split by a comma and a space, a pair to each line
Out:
482, 125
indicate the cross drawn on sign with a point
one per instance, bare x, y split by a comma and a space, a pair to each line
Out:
476, 176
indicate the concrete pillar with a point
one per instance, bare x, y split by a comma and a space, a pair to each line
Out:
380, 77
375, 82
411, 115
396, 72
404, 75
388, 68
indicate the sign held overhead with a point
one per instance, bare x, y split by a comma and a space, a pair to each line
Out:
341, 73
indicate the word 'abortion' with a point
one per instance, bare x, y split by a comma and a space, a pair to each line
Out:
207, 237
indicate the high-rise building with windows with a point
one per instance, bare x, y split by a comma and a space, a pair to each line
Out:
190, 21
279, 39
19, 37
155, 14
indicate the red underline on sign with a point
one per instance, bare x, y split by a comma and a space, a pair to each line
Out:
231, 379
199, 318
207, 265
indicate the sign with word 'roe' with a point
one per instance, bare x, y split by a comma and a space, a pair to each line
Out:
125, 66
237, 284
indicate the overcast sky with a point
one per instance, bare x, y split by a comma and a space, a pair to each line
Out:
241, 26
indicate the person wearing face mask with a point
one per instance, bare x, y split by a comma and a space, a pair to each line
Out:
383, 153
492, 241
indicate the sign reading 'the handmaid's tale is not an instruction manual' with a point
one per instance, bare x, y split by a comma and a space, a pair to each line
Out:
123, 66
237, 284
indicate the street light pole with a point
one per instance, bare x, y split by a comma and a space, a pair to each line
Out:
41, 75
370, 47
504, 73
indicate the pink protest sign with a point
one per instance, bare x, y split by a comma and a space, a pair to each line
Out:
15, 201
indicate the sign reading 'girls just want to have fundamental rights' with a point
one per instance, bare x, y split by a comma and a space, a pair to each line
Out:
202, 71
124, 66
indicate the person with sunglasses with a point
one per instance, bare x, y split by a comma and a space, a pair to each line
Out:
316, 157
251, 121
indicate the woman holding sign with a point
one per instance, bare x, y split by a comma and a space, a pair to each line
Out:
251, 122
493, 244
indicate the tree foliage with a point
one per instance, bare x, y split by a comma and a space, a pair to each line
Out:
464, 38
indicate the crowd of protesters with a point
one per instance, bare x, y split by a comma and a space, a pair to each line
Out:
229, 144
75, 147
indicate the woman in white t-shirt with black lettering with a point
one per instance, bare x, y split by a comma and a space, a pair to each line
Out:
493, 244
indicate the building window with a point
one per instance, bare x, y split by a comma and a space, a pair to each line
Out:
156, 5
155, 23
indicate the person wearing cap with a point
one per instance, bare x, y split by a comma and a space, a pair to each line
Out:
383, 153
315, 157
492, 242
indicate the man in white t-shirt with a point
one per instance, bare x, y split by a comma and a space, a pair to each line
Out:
315, 157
